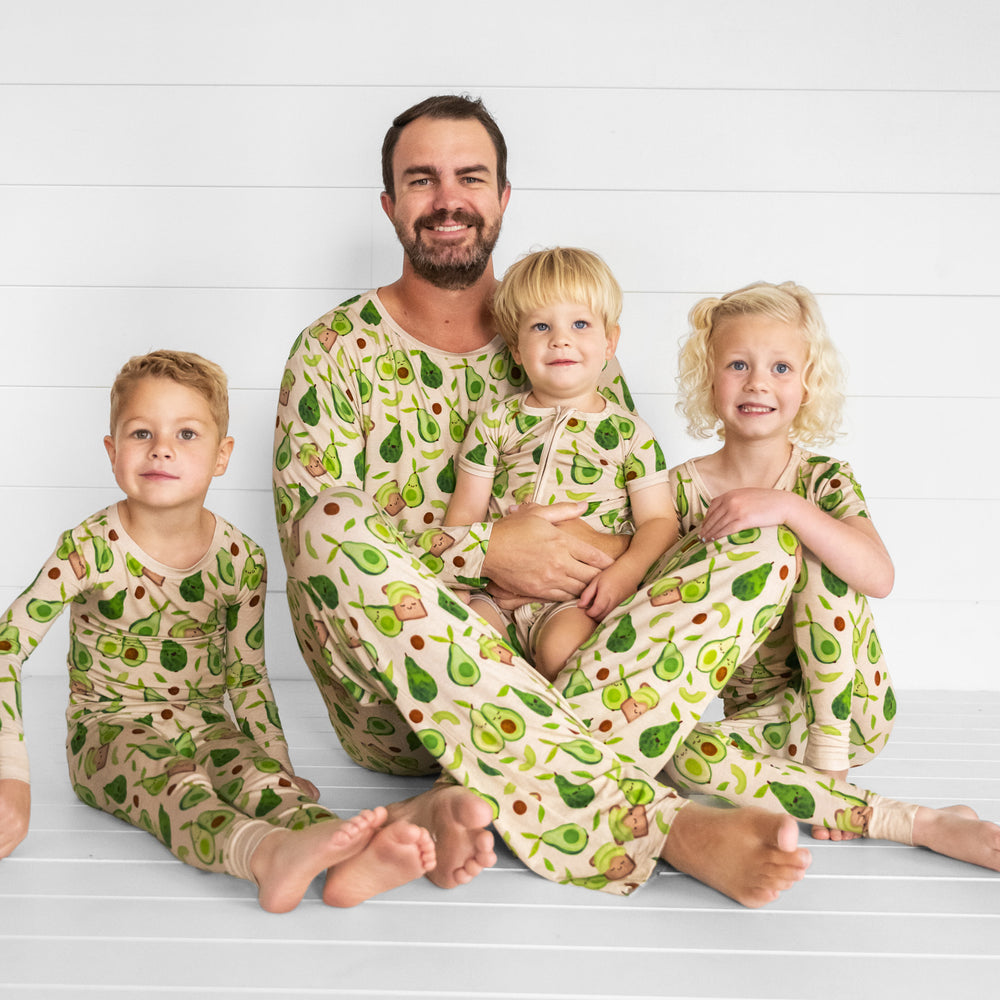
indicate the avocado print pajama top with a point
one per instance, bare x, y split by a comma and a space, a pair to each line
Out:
370, 424
548, 455
154, 652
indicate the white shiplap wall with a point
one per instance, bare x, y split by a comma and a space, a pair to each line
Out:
204, 175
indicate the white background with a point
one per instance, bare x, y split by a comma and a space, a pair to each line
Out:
205, 176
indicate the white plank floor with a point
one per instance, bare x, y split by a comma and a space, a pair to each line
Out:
90, 906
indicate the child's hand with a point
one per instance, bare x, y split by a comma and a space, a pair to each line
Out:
605, 592
15, 811
745, 508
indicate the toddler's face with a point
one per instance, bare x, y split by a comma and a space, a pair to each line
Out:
166, 448
563, 347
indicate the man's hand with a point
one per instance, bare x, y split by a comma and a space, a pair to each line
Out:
610, 544
528, 555
15, 811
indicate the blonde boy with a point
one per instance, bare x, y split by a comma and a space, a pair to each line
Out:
166, 635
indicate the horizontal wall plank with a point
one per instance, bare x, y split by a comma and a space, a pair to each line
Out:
774, 140
891, 345
82, 461
198, 237
649, 43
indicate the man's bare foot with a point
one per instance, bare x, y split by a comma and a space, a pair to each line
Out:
286, 861
958, 832
747, 854
397, 854
457, 820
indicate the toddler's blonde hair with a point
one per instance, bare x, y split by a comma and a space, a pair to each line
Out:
559, 274
819, 416
183, 367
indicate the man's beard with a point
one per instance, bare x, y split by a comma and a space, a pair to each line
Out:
451, 268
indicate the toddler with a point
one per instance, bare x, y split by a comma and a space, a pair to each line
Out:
562, 440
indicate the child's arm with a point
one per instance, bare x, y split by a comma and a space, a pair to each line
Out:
851, 548
15, 812
655, 531
470, 503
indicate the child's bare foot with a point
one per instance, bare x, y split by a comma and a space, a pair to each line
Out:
833, 833
457, 820
747, 854
957, 832
286, 861
397, 854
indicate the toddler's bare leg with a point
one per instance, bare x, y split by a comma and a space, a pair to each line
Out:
747, 854
486, 610
558, 637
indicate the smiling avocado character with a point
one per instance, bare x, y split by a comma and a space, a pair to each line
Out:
311, 460
640, 702
613, 862
854, 820
404, 599
492, 648
287, 381
389, 498
627, 824
666, 590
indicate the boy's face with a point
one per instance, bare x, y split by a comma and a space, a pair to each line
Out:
563, 347
166, 449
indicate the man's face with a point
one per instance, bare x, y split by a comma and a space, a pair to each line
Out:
447, 208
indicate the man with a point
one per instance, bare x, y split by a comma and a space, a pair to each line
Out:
374, 404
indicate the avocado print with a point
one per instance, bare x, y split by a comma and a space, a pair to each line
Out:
309, 410
824, 644
583, 750
462, 668
113, 608
192, 588
796, 800
44, 611
584, 472
391, 448
622, 638
366, 557
485, 737
749, 586
422, 686
575, 796
570, 838
505, 721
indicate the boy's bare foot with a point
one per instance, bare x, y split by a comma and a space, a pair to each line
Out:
833, 833
747, 854
958, 832
457, 820
397, 854
286, 861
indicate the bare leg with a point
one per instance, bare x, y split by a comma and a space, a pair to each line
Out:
486, 610
457, 820
286, 861
957, 832
747, 854
397, 854
560, 636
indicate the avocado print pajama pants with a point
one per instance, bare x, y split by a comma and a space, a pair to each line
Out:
187, 775
155, 654
370, 423
816, 691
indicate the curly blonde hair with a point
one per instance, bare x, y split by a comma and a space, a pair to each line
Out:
183, 367
819, 415
559, 274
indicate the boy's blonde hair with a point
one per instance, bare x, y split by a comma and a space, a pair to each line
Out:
183, 367
822, 381
559, 274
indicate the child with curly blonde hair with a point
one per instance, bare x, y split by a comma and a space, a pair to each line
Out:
758, 369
